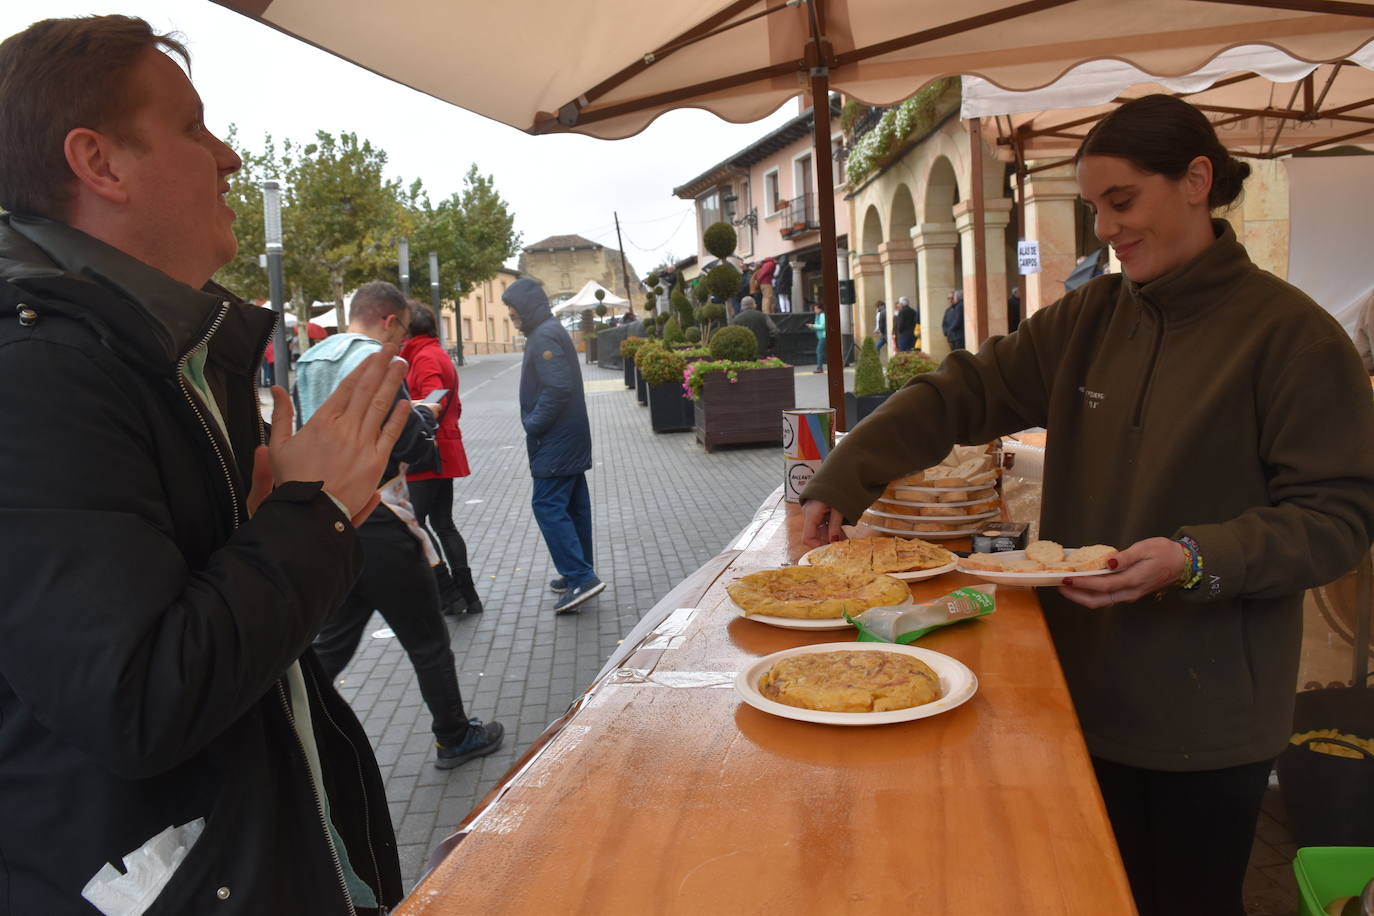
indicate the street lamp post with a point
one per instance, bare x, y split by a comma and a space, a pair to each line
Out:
276, 283
434, 294
403, 263
458, 322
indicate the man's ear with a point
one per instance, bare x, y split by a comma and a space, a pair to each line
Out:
94, 159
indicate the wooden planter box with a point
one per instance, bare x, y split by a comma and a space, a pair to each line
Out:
747, 411
856, 407
629, 368
641, 388
669, 410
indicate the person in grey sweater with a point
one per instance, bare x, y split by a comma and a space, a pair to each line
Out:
765, 330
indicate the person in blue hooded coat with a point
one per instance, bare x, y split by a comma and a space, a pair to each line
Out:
558, 438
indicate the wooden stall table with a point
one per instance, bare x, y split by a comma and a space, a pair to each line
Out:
662, 792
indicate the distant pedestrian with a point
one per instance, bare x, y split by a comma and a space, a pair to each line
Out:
397, 578
880, 325
1014, 309
818, 325
782, 283
766, 271
558, 439
904, 325
953, 323
765, 331
431, 489
628, 317
746, 278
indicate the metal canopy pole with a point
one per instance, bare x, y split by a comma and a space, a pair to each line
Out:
980, 254
817, 58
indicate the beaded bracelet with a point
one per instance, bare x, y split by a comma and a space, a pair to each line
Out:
1190, 578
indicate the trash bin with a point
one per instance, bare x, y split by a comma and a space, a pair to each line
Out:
1330, 799
1325, 874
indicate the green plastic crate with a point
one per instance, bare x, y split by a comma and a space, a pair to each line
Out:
1327, 872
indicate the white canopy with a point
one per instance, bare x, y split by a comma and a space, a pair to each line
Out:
1264, 102
586, 299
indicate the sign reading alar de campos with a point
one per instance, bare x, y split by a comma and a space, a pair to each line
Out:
1028, 257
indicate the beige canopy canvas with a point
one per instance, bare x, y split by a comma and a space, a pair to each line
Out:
549, 67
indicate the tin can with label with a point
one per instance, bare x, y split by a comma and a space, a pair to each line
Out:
808, 432
796, 474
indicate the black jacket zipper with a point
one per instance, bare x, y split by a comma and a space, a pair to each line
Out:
237, 521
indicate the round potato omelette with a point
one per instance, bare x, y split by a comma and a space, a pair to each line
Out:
815, 592
858, 681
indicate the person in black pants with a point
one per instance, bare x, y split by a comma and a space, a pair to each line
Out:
397, 577
431, 487
396, 581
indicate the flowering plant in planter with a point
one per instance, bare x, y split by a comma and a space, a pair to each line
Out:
694, 376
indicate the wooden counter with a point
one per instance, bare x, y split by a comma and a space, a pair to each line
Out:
662, 792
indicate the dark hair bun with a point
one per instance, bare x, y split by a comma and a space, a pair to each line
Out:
1162, 135
1228, 176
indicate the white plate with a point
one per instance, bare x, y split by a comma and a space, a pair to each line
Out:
971, 487
921, 505
912, 575
804, 623
957, 685
1028, 578
925, 535
944, 519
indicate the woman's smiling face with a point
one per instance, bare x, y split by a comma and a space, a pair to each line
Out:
1154, 223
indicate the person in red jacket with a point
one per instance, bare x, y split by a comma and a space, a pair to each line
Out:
431, 491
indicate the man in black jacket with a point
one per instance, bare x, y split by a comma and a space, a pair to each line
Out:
165, 570
904, 325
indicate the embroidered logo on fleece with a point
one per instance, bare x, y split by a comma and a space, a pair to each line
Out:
1094, 399
548, 354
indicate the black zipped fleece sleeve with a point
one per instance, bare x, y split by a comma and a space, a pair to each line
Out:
108, 632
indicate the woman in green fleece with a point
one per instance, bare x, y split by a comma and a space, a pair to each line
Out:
1212, 423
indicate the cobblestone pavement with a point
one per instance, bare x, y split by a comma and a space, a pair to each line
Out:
662, 507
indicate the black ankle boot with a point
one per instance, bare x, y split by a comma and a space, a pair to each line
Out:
451, 599
462, 580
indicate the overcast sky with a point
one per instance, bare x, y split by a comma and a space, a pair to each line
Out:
265, 82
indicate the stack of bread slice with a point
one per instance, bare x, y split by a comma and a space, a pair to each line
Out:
947, 500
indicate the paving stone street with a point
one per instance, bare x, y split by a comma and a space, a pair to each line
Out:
662, 507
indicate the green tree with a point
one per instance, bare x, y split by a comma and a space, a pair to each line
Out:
342, 217
473, 232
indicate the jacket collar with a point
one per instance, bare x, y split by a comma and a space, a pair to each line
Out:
1206, 280
157, 318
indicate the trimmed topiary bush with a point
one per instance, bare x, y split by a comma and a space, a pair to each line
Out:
652, 280
711, 312
868, 370
722, 281
693, 334
629, 345
720, 239
905, 366
672, 332
601, 309
682, 307
699, 292
659, 365
735, 343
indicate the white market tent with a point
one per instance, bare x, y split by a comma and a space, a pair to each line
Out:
742, 59
586, 299
1265, 104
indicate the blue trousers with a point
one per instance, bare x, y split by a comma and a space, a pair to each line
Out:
906, 342
820, 353
563, 508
